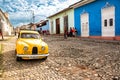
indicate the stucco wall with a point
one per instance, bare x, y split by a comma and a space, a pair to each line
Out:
70, 14
94, 10
6, 24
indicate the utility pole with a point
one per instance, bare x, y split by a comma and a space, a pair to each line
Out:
33, 17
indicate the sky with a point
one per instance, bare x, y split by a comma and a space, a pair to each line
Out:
21, 11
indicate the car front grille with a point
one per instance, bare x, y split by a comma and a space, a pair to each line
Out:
34, 50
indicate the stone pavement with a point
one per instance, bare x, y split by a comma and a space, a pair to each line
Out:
6, 38
70, 59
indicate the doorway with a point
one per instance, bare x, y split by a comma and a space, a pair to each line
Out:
65, 24
58, 26
108, 21
84, 25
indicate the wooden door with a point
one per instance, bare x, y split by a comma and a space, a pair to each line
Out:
58, 26
66, 23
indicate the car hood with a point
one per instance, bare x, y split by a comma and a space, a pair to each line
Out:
31, 42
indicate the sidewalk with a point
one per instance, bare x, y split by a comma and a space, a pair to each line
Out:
101, 41
6, 38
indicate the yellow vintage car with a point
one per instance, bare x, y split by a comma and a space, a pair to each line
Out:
29, 45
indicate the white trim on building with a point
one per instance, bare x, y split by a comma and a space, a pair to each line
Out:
84, 24
108, 21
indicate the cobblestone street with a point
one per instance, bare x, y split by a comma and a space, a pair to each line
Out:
69, 59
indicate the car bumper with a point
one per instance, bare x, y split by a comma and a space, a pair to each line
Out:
33, 56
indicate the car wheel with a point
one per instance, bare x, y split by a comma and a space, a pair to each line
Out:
45, 58
15, 51
18, 58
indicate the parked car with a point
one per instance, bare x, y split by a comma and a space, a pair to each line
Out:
30, 45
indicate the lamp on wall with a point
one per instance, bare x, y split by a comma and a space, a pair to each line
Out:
84, 11
107, 5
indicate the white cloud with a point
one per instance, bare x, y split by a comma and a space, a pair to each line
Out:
1, 0
22, 9
42, 1
19, 15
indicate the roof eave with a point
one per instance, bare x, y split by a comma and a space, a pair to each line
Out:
81, 3
60, 12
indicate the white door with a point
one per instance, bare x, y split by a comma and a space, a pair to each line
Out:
84, 25
108, 21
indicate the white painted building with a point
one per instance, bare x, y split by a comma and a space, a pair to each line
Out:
61, 21
7, 30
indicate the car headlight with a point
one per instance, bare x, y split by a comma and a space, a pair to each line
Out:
43, 48
25, 48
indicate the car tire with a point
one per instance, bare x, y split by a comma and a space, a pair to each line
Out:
18, 58
15, 51
44, 58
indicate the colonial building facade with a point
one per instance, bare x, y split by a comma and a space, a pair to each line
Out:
42, 26
61, 21
97, 18
8, 28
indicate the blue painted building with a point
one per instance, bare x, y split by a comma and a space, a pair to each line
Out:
97, 18
43, 26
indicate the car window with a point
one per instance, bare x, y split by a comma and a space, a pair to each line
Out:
30, 35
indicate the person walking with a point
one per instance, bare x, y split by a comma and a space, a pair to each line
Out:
71, 32
65, 34
1, 28
75, 32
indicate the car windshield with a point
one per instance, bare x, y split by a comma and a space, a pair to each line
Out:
30, 35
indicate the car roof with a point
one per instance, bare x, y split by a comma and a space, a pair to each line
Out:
28, 31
